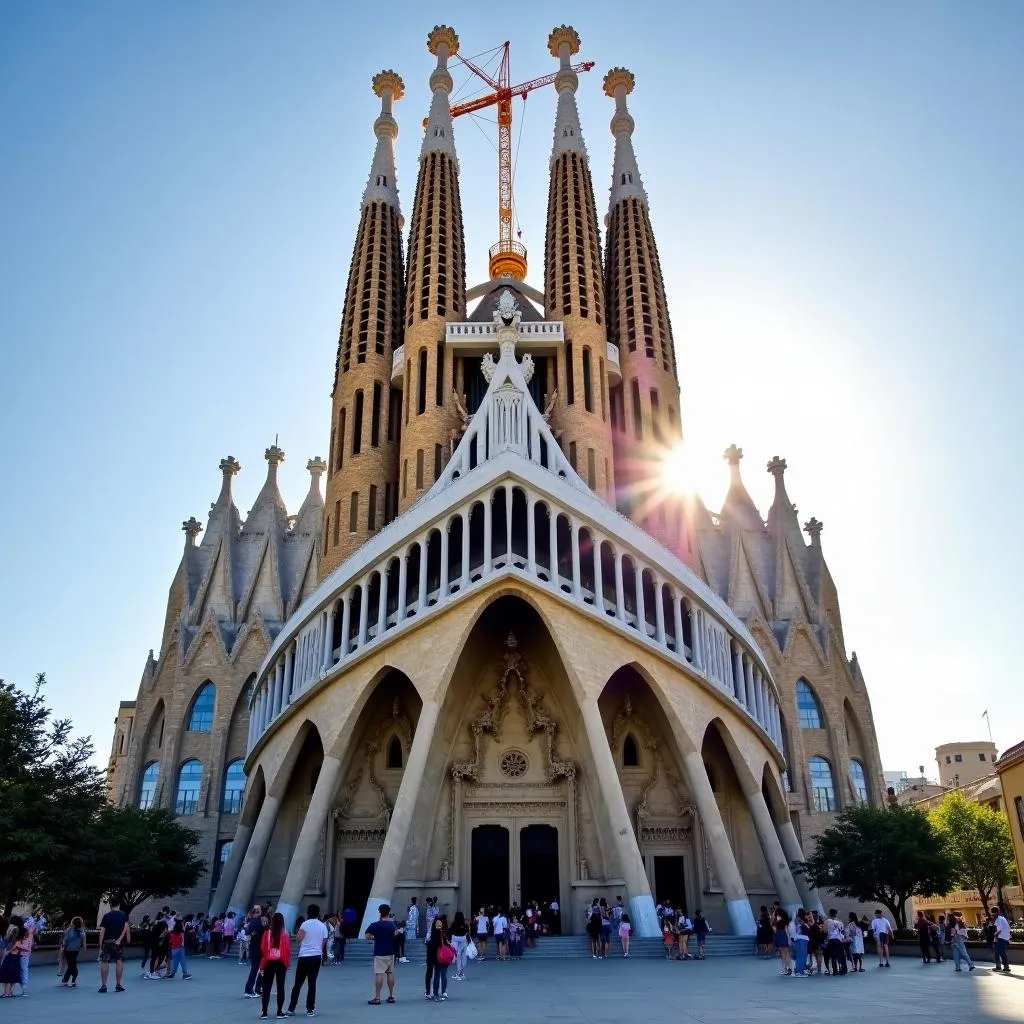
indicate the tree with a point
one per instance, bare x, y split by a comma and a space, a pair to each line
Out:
977, 841
50, 793
145, 855
880, 855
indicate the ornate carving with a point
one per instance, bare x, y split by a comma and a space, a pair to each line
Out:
512, 808
666, 833
539, 721
355, 836
514, 764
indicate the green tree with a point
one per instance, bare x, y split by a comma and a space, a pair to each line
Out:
880, 855
977, 841
50, 793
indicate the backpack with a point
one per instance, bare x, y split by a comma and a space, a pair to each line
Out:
445, 955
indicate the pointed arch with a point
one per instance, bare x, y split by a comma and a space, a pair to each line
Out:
808, 708
395, 754
189, 787
147, 785
823, 785
201, 710
234, 787
630, 752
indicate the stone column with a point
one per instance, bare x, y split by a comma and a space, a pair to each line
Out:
390, 859
256, 851
620, 593
364, 609
421, 599
791, 847
641, 610
531, 537
308, 844
659, 614
641, 903
677, 615
741, 917
346, 623
465, 550
443, 595
695, 637
553, 548
329, 638
239, 846
771, 847
403, 572
488, 534
737, 674
382, 603
577, 585
596, 541
289, 672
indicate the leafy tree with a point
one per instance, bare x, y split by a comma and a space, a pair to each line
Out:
977, 841
145, 855
881, 855
50, 792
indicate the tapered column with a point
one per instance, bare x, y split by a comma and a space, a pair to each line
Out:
795, 856
577, 586
403, 575
465, 550
641, 903
695, 654
620, 595
488, 532
364, 609
595, 541
677, 613
346, 624
443, 595
252, 864
659, 614
289, 674
421, 599
308, 844
748, 682
771, 847
741, 917
390, 860
737, 674
641, 611
553, 548
508, 525
228, 877
531, 538
329, 637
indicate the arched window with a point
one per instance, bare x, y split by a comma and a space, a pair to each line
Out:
859, 779
223, 854
630, 753
394, 753
147, 791
234, 788
190, 781
200, 718
823, 785
807, 706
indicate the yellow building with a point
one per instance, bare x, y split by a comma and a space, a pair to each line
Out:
1010, 771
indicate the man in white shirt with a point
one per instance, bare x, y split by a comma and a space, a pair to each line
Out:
500, 925
1002, 943
882, 931
412, 922
312, 943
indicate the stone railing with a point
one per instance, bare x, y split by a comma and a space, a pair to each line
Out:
532, 333
398, 365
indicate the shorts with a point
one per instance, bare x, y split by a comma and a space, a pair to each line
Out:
112, 952
882, 939
383, 965
781, 939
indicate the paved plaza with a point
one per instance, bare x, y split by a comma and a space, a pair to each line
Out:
731, 989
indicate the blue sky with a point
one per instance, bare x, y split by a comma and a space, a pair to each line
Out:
835, 191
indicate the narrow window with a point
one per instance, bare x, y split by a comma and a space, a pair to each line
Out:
394, 414
408, 385
638, 423
655, 415
572, 454
341, 439
357, 425
437, 461
337, 522
630, 753
387, 503
570, 383
591, 469
405, 477
588, 393
421, 384
419, 470
439, 384
371, 509
375, 416
394, 753
600, 364
353, 513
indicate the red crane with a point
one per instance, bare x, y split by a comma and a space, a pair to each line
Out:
507, 257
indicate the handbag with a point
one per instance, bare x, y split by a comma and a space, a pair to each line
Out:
471, 951
445, 956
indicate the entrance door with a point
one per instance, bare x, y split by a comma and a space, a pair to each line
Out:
356, 888
538, 864
490, 867
669, 882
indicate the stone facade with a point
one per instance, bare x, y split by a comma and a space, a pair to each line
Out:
530, 683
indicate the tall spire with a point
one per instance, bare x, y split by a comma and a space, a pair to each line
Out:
382, 185
362, 470
574, 287
618, 84
435, 288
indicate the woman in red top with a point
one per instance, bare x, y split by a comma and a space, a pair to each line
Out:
275, 961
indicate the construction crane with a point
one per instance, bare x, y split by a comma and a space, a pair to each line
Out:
507, 258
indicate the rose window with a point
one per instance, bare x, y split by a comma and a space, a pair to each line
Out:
513, 764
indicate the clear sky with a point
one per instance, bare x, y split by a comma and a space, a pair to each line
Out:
836, 194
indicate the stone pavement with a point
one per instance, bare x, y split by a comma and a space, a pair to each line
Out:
724, 991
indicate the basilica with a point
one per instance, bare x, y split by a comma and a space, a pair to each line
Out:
490, 659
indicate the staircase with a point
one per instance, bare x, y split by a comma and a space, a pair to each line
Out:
565, 947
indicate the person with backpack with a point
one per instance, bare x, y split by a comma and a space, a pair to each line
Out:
276, 958
701, 929
440, 956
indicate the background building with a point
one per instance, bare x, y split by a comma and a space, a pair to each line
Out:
503, 661
962, 763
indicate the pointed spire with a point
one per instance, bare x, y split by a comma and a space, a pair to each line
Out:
782, 516
192, 528
813, 528
443, 43
563, 44
739, 507
382, 185
733, 456
316, 467
228, 467
626, 181
269, 497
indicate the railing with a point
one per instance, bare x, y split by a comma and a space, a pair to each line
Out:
525, 532
530, 334
398, 364
612, 356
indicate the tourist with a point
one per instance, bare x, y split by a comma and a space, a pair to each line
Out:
460, 940
882, 931
780, 924
145, 939
275, 959
382, 934
338, 940
430, 914
160, 956
935, 937
114, 933
684, 929
412, 921
482, 925
72, 943
835, 953
668, 939
312, 943
27, 945
594, 929
255, 926
701, 929
764, 933
924, 938
625, 931
606, 929
10, 968
243, 941
217, 935
556, 919
618, 910
958, 942
401, 928
440, 955
205, 935
1002, 939
176, 945
229, 932
499, 925
855, 942
800, 932
516, 931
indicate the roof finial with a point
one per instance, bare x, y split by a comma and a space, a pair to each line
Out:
563, 43
733, 455
618, 84
229, 467
443, 42
317, 467
813, 530
382, 185
274, 457
192, 528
